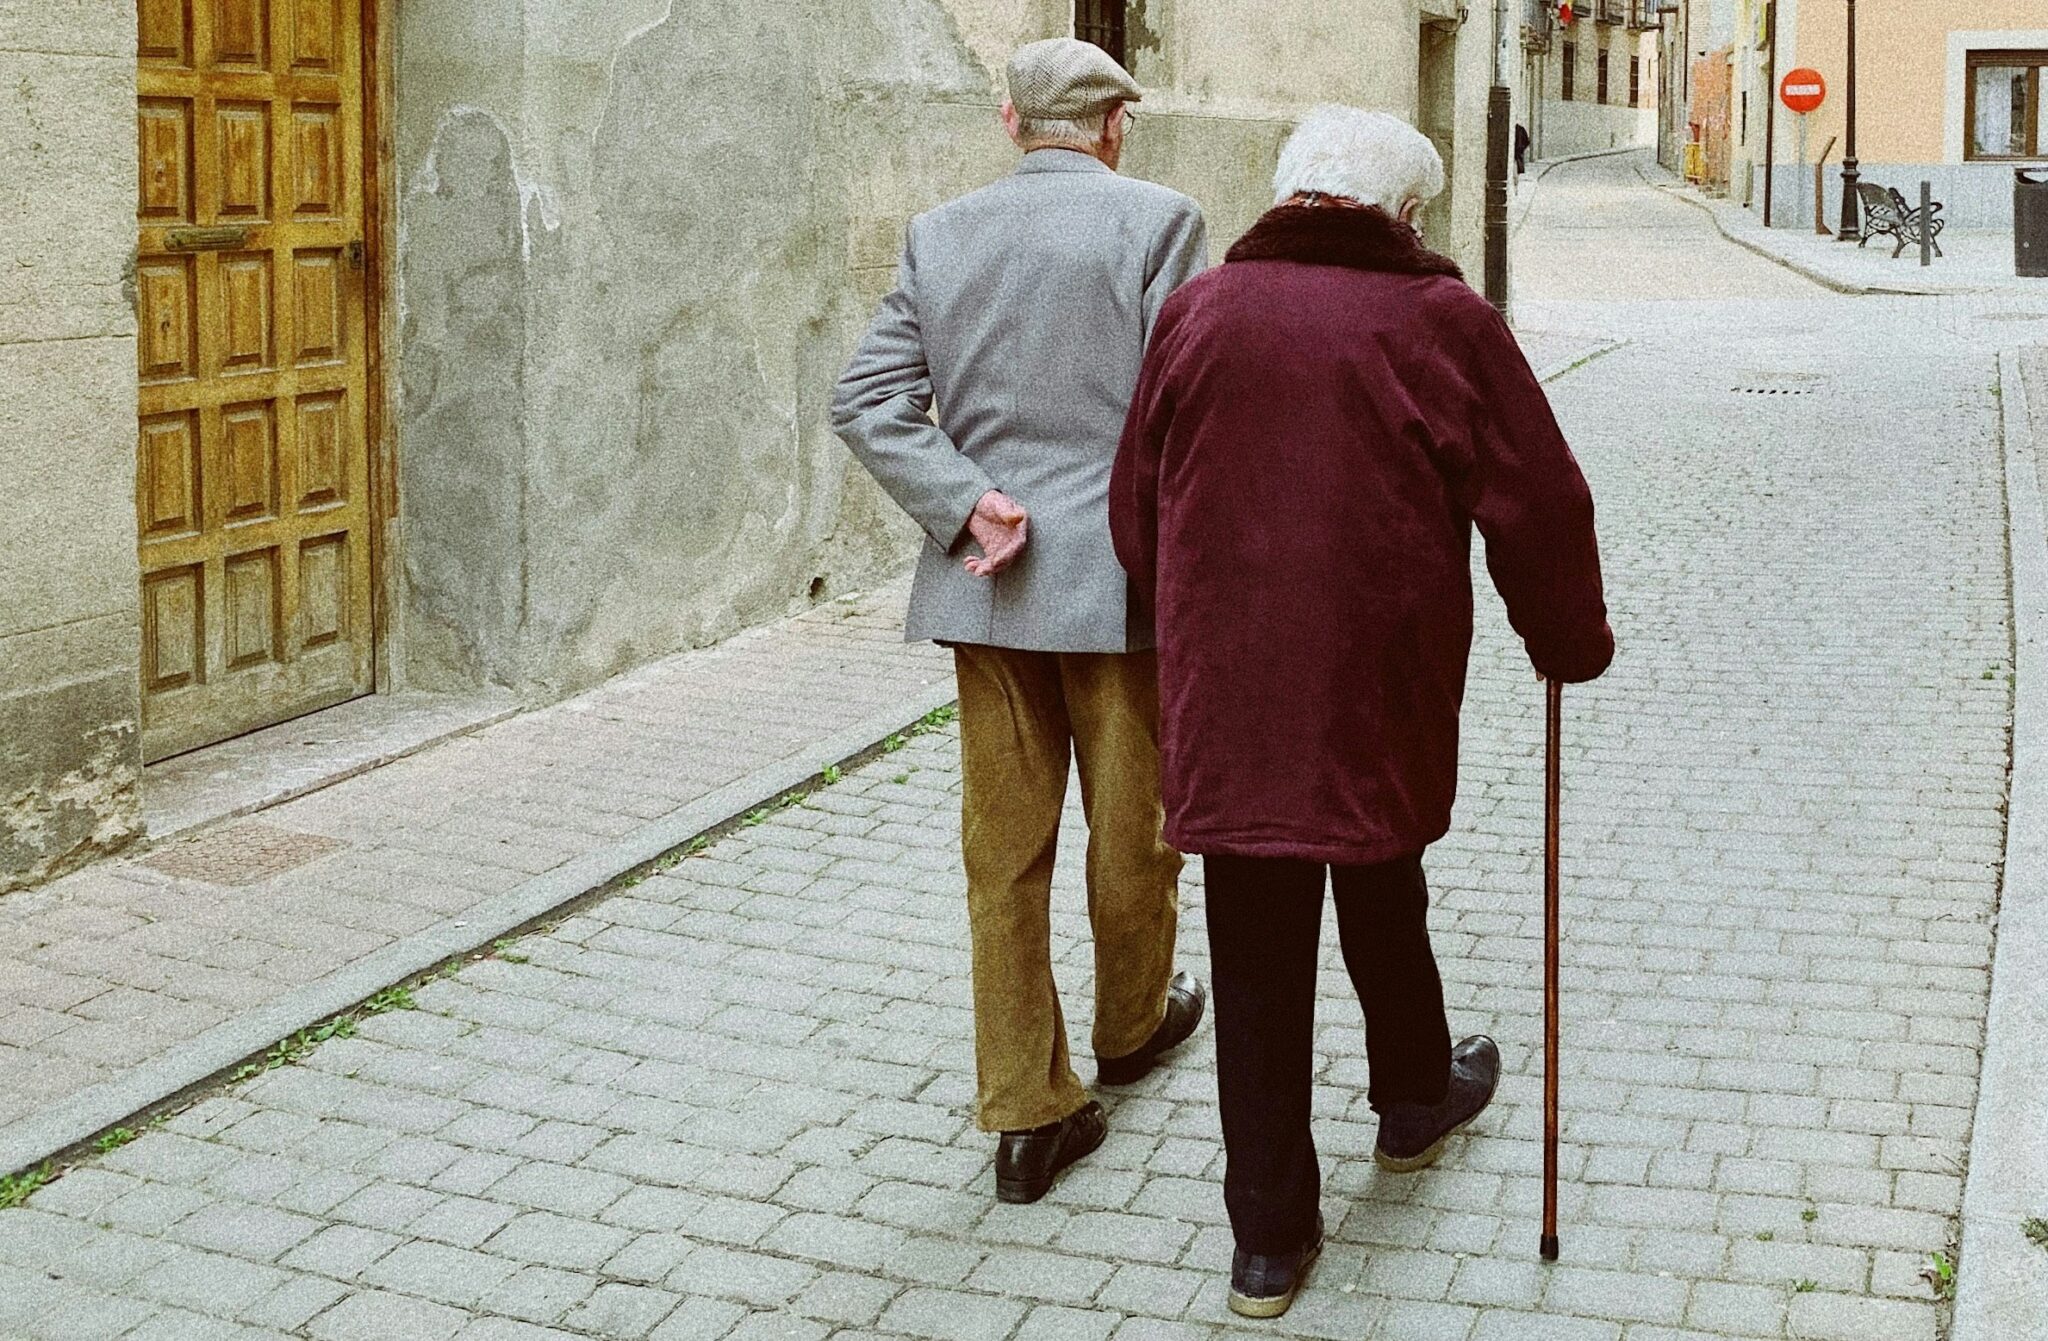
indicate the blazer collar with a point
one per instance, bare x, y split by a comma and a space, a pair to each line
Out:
1060, 160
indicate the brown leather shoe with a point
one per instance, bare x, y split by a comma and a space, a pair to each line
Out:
1185, 999
1027, 1162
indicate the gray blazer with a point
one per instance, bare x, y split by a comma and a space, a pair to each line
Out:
1024, 308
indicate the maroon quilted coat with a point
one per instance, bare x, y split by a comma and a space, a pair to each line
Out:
1320, 423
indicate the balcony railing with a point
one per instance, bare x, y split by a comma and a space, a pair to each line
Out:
1610, 11
1642, 15
1538, 18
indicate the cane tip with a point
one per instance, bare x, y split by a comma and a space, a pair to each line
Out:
1550, 1247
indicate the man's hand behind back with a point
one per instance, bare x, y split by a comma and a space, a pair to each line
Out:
1001, 528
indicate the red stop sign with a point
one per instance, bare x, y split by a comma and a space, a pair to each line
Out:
1803, 90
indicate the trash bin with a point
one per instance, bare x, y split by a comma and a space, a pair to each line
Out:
2030, 224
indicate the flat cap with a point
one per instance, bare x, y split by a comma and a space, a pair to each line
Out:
1063, 78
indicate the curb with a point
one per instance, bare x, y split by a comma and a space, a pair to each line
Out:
1825, 280
1571, 363
2002, 1277
1806, 272
63, 1130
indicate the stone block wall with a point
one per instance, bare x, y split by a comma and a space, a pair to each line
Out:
69, 755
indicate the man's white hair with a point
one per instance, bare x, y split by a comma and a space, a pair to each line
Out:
1080, 132
1369, 157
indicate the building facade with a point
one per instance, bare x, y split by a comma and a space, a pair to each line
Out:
1591, 84
1947, 94
349, 346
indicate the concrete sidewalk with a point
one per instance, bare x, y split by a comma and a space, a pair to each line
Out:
130, 981
1973, 260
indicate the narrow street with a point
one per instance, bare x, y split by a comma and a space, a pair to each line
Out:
734, 1101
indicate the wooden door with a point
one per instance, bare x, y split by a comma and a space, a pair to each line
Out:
252, 484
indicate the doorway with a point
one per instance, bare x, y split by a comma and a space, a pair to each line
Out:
253, 480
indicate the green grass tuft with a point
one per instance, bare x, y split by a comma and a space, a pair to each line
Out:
16, 1188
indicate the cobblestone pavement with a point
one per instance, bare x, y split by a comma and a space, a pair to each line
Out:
127, 961
734, 1101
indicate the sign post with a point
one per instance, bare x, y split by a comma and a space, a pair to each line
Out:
1802, 91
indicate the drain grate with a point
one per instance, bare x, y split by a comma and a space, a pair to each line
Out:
1777, 383
242, 854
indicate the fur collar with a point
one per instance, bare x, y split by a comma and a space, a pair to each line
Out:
1367, 239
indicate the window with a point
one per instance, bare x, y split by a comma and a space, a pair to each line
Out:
1101, 22
1600, 90
2003, 107
1571, 68
1635, 81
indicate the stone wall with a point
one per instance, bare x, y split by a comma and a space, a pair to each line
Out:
69, 755
639, 238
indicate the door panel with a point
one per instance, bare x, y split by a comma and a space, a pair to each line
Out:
252, 480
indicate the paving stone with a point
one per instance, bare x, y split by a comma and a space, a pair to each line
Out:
845, 1297
181, 1326
951, 1315
750, 1278
377, 1316
1051, 1322
255, 1232
558, 1187
553, 1240
778, 1327
207, 1282
439, 1272
343, 1251
1162, 1291
1848, 1318
539, 1294
840, 1240
508, 1329
700, 1320
291, 1305
628, 1312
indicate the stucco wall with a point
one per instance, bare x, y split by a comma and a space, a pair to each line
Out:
638, 240
1909, 96
69, 755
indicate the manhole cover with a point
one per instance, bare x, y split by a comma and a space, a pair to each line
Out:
242, 854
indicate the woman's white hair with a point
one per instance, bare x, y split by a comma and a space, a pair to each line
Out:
1369, 157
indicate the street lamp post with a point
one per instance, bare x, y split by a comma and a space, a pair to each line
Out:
1851, 228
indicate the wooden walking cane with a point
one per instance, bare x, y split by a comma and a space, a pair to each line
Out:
1552, 787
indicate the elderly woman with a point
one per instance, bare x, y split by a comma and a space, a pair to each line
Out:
1320, 423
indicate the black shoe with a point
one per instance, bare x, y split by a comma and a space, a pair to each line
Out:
1028, 1161
1185, 998
1263, 1286
1413, 1135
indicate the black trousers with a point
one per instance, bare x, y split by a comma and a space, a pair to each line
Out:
1265, 928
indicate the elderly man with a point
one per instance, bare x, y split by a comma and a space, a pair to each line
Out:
1321, 422
1024, 308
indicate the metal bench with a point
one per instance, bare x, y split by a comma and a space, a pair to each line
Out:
1885, 211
